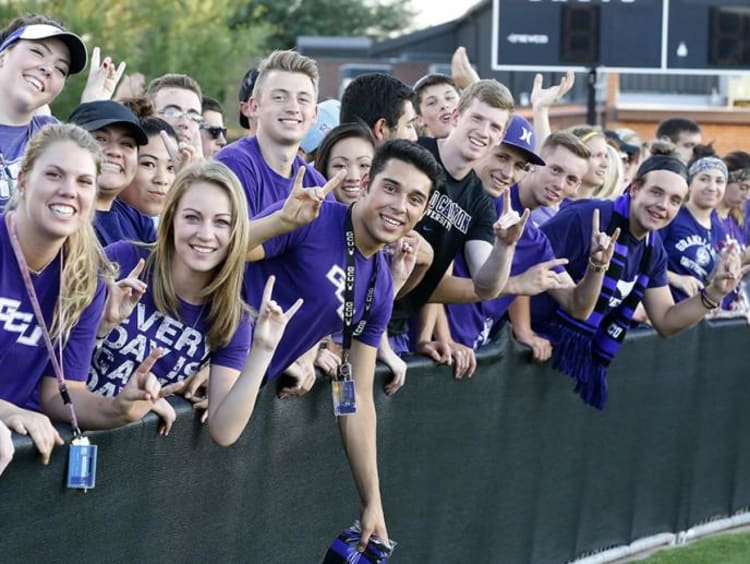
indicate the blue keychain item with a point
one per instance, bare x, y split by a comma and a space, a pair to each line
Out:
343, 549
343, 392
82, 464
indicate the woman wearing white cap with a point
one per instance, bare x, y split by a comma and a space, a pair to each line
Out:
37, 55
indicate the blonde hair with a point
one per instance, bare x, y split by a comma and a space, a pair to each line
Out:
488, 91
612, 186
222, 294
82, 253
287, 61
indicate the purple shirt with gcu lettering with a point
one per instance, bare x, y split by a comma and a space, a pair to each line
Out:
263, 185
474, 324
13, 141
183, 339
23, 354
310, 263
691, 248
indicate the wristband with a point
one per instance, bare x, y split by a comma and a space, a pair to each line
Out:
707, 302
598, 267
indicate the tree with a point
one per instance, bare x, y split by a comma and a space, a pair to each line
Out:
287, 20
155, 37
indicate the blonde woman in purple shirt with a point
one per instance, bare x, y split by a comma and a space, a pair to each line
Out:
46, 236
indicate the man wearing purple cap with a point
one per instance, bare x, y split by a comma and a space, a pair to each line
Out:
37, 55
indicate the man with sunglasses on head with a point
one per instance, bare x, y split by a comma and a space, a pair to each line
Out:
177, 100
213, 132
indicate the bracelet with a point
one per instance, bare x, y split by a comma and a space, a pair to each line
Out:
706, 300
598, 267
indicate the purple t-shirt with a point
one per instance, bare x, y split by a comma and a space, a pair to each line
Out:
23, 354
263, 185
569, 232
310, 263
182, 338
123, 223
691, 248
472, 324
13, 141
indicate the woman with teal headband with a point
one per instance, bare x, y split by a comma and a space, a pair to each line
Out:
693, 239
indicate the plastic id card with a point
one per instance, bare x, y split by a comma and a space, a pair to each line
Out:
82, 464
344, 397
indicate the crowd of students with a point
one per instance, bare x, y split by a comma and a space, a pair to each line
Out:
144, 256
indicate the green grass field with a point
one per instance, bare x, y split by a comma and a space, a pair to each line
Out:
723, 549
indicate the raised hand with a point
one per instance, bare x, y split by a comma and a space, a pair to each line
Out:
143, 388
602, 245
462, 72
103, 78
546, 97
122, 297
403, 258
728, 274
272, 320
509, 226
303, 204
181, 154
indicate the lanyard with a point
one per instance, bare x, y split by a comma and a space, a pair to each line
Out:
56, 360
349, 330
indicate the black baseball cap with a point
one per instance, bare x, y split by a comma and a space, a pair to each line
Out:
93, 116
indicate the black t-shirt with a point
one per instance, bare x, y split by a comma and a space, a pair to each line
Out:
458, 211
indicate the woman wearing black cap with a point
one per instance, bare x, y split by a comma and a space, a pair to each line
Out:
119, 134
37, 55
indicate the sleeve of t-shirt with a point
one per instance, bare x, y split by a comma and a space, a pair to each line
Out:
483, 218
382, 307
234, 354
569, 234
658, 266
80, 346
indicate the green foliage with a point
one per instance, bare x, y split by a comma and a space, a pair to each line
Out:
286, 20
155, 37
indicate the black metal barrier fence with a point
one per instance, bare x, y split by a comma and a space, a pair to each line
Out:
506, 467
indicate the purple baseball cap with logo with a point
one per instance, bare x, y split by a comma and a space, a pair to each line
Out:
520, 134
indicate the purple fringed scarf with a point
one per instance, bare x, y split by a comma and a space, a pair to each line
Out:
584, 349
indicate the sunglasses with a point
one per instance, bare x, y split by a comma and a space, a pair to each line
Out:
214, 131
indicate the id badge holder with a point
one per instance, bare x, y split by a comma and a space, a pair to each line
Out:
82, 464
342, 389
